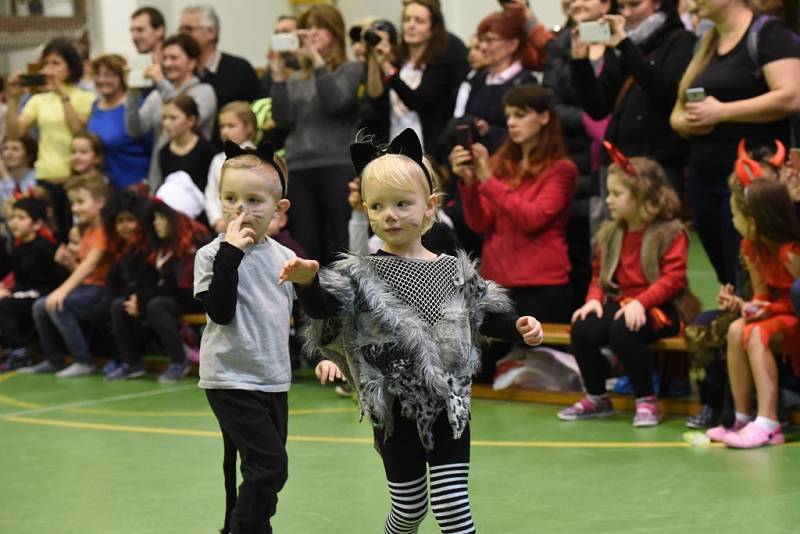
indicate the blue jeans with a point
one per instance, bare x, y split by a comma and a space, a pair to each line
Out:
55, 326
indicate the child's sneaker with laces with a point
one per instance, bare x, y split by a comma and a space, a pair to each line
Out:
648, 413
126, 372
753, 435
719, 432
586, 409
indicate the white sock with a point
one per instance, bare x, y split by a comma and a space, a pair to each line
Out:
743, 417
767, 424
597, 399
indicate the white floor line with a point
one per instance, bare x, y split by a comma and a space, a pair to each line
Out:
83, 404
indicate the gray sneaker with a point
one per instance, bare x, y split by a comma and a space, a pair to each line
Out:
126, 372
75, 370
40, 368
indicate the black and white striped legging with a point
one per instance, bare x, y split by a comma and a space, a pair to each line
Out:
405, 461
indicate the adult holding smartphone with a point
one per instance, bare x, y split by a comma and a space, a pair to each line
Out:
744, 99
645, 57
423, 79
59, 111
317, 106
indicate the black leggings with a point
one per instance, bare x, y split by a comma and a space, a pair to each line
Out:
255, 423
320, 213
16, 322
405, 460
161, 315
590, 334
714, 223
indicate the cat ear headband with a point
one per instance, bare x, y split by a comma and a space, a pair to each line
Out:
265, 152
406, 144
619, 158
748, 169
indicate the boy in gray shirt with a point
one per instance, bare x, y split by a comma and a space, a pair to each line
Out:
244, 352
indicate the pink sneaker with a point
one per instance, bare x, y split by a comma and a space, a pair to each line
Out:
752, 436
647, 414
719, 432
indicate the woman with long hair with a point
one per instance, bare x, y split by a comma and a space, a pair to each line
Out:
423, 79
317, 106
519, 201
735, 96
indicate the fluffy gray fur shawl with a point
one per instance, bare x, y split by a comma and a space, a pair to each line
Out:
446, 354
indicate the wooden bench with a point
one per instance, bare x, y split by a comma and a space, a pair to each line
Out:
558, 334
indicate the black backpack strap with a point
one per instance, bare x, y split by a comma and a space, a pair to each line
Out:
752, 40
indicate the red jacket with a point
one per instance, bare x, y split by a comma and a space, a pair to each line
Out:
523, 228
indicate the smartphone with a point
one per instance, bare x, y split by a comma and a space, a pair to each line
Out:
594, 32
32, 80
464, 136
285, 42
695, 94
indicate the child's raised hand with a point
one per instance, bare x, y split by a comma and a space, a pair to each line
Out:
327, 371
239, 237
298, 271
531, 330
593, 306
635, 315
727, 299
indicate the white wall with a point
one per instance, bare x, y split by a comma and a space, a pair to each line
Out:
247, 24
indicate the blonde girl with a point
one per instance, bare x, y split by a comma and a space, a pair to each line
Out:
637, 289
237, 123
406, 321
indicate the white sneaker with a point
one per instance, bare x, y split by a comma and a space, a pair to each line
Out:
75, 370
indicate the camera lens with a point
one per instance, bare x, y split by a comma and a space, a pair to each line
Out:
355, 34
371, 38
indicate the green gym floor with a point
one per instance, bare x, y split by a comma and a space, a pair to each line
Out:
86, 457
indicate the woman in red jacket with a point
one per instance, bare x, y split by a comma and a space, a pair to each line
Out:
519, 201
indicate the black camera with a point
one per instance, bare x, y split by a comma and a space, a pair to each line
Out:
371, 38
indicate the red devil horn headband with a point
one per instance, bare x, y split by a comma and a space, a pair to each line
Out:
748, 169
619, 158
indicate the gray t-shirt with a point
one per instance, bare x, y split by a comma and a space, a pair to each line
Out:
252, 351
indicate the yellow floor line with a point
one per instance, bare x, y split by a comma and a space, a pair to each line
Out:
357, 440
17, 403
6, 376
193, 413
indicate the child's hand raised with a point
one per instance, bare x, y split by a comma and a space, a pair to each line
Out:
635, 315
239, 237
327, 371
531, 330
727, 299
298, 271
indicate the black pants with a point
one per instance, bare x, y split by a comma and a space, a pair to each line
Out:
320, 213
592, 333
16, 322
714, 223
162, 317
255, 423
405, 461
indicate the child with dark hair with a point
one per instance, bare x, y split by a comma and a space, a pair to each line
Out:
87, 154
16, 167
186, 151
35, 274
162, 292
124, 218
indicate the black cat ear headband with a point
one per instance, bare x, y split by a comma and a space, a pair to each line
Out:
406, 144
265, 152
